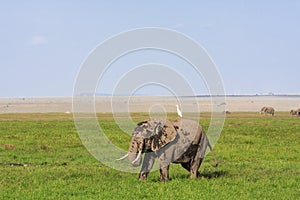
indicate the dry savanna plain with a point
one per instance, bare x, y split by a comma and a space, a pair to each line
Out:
42, 156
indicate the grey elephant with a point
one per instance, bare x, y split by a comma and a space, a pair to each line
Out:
295, 112
181, 141
267, 110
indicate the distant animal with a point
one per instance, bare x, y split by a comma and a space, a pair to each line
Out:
179, 111
226, 112
267, 110
295, 112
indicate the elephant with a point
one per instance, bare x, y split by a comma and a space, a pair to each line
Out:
179, 141
226, 112
267, 110
295, 112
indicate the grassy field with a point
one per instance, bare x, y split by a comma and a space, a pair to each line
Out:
259, 160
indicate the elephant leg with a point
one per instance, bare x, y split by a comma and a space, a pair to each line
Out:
164, 174
198, 158
147, 165
194, 173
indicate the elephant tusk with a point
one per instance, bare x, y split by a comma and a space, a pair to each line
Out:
123, 157
138, 156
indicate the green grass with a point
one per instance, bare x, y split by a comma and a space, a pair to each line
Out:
259, 160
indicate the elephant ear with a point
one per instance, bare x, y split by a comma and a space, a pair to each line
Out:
164, 134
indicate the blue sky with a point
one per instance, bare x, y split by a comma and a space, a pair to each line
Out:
255, 44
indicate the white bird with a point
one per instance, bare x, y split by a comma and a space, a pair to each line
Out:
179, 111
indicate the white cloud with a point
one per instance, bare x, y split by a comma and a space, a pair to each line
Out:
38, 40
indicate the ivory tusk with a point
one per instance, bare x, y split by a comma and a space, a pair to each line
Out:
138, 156
123, 157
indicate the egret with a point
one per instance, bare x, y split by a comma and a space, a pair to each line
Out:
179, 111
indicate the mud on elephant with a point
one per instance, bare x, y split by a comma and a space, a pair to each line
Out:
181, 141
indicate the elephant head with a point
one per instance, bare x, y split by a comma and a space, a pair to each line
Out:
263, 109
295, 112
149, 136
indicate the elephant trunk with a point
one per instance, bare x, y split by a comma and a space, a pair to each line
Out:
135, 151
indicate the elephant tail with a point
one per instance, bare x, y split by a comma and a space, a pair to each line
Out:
205, 145
212, 152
